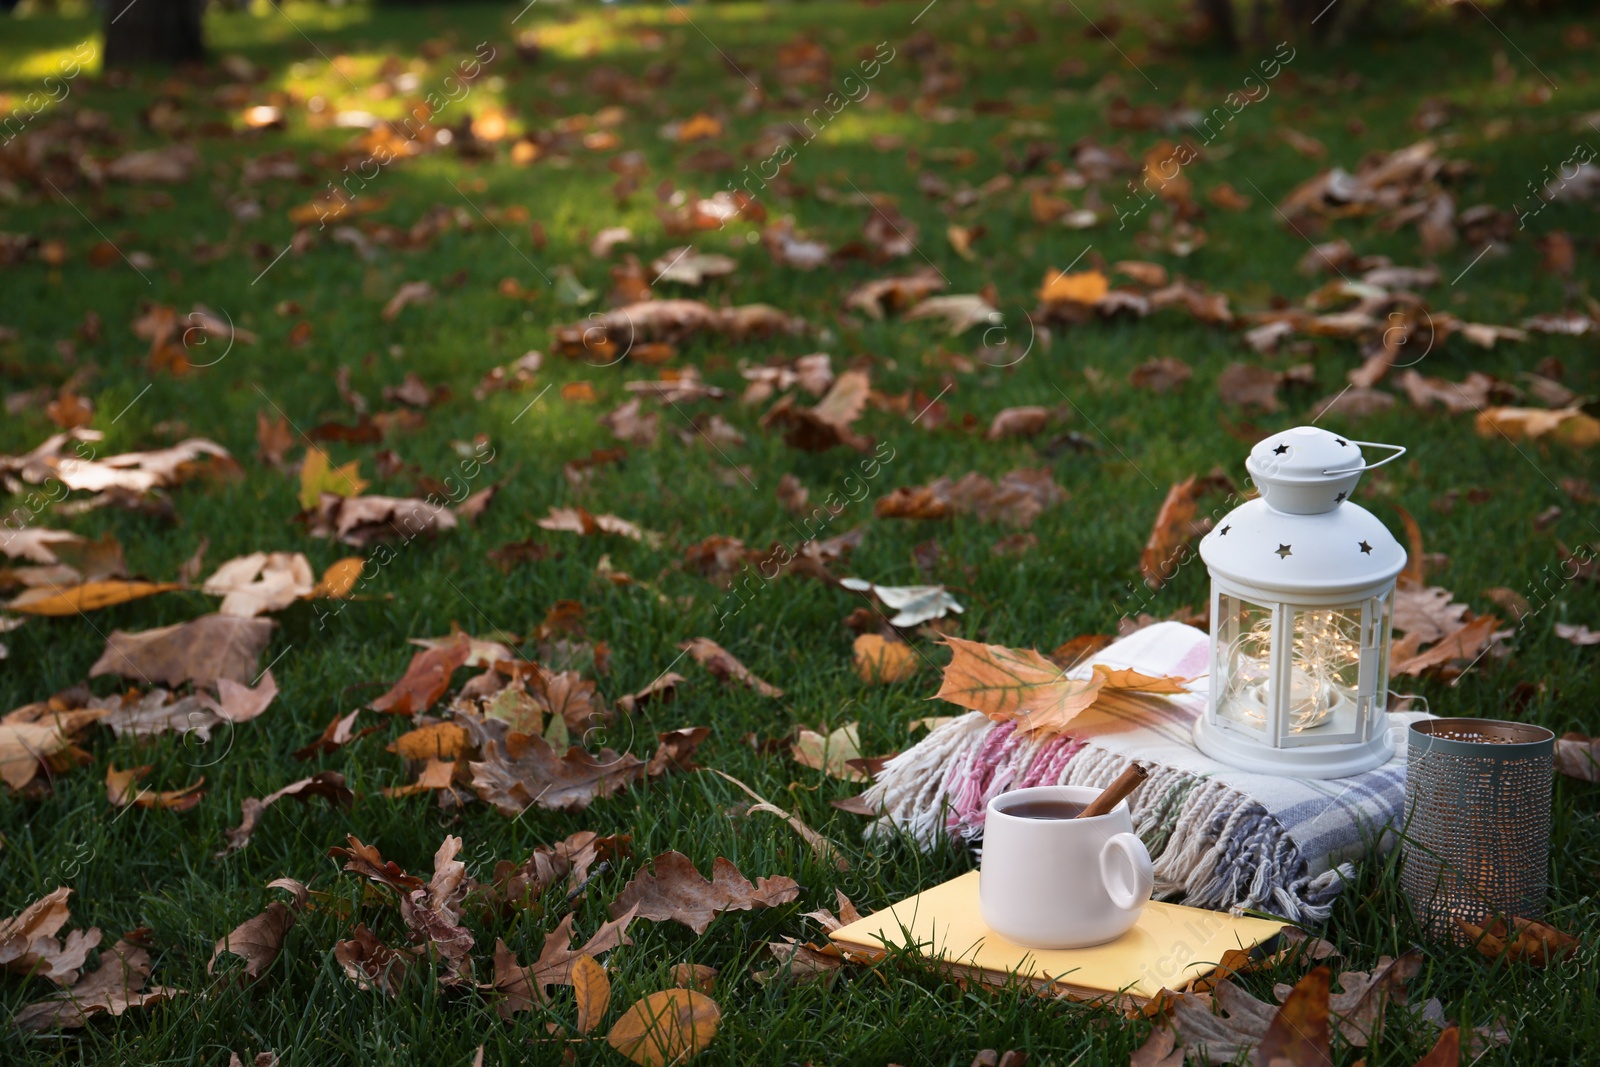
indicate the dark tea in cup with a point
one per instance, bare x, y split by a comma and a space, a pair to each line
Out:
1044, 809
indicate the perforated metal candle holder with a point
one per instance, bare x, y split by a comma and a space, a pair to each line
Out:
1477, 835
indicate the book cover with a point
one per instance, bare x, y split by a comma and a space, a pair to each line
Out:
1169, 947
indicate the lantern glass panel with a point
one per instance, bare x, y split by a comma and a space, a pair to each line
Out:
1325, 669
1382, 611
1244, 662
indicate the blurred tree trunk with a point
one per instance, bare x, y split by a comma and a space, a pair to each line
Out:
1301, 21
154, 31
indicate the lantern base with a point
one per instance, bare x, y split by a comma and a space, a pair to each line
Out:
1303, 761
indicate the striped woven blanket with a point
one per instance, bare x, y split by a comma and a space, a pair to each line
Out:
1220, 838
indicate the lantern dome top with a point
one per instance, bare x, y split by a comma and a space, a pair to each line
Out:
1307, 470
1303, 535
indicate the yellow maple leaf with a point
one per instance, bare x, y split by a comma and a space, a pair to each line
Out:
1022, 686
880, 661
318, 476
698, 127
339, 579
1084, 287
1127, 680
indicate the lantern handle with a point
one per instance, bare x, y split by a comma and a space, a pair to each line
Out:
1396, 451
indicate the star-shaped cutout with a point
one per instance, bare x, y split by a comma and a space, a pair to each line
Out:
1366, 549
1280, 450
1224, 531
1340, 498
1283, 551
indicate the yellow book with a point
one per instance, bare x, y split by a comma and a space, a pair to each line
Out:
1169, 947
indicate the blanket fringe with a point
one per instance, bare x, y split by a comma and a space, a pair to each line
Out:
1212, 845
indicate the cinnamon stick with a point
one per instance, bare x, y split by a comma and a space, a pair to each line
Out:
1114, 793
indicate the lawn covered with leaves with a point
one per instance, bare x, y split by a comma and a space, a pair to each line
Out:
648, 327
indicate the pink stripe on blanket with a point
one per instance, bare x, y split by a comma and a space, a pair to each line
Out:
1195, 662
996, 767
1051, 762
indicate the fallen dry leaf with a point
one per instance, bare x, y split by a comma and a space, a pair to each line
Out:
113, 987
1577, 635
913, 604
1151, 275
827, 425
631, 424
55, 600
1166, 549
960, 312
830, 753
1019, 498
120, 790
260, 582
1524, 941
28, 942
801, 961
674, 891
880, 661
32, 543
429, 910
720, 662
579, 521
131, 472
662, 688
23, 745
1236, 1028
425, 680
1352, 403
1161, 1049
1300, 1033
1021, 686
666, 1028
326, 784
200, 651
1570, 426
259, 939
1359, 1008
361, 521
318, 476
1577, 756
1446, 1052
339, 579
1249, 386
522, 988
1019, 422
371, 964
170, 164
532, 774
408, 293
694, 976
340, 732
685, 266
1160, 375
1073, 652
439, 740
592, 990
1084, 287
1466, 643
520, 886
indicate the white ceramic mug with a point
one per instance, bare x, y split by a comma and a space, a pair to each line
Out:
1061, 883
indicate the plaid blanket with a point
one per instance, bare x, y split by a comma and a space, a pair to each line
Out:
1220, 838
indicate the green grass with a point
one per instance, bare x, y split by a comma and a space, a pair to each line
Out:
156, 869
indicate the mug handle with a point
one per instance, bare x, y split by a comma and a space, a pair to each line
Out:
1126, 871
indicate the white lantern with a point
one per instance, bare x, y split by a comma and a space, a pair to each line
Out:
1302, 592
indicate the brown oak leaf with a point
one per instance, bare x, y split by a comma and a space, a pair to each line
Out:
677, 892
